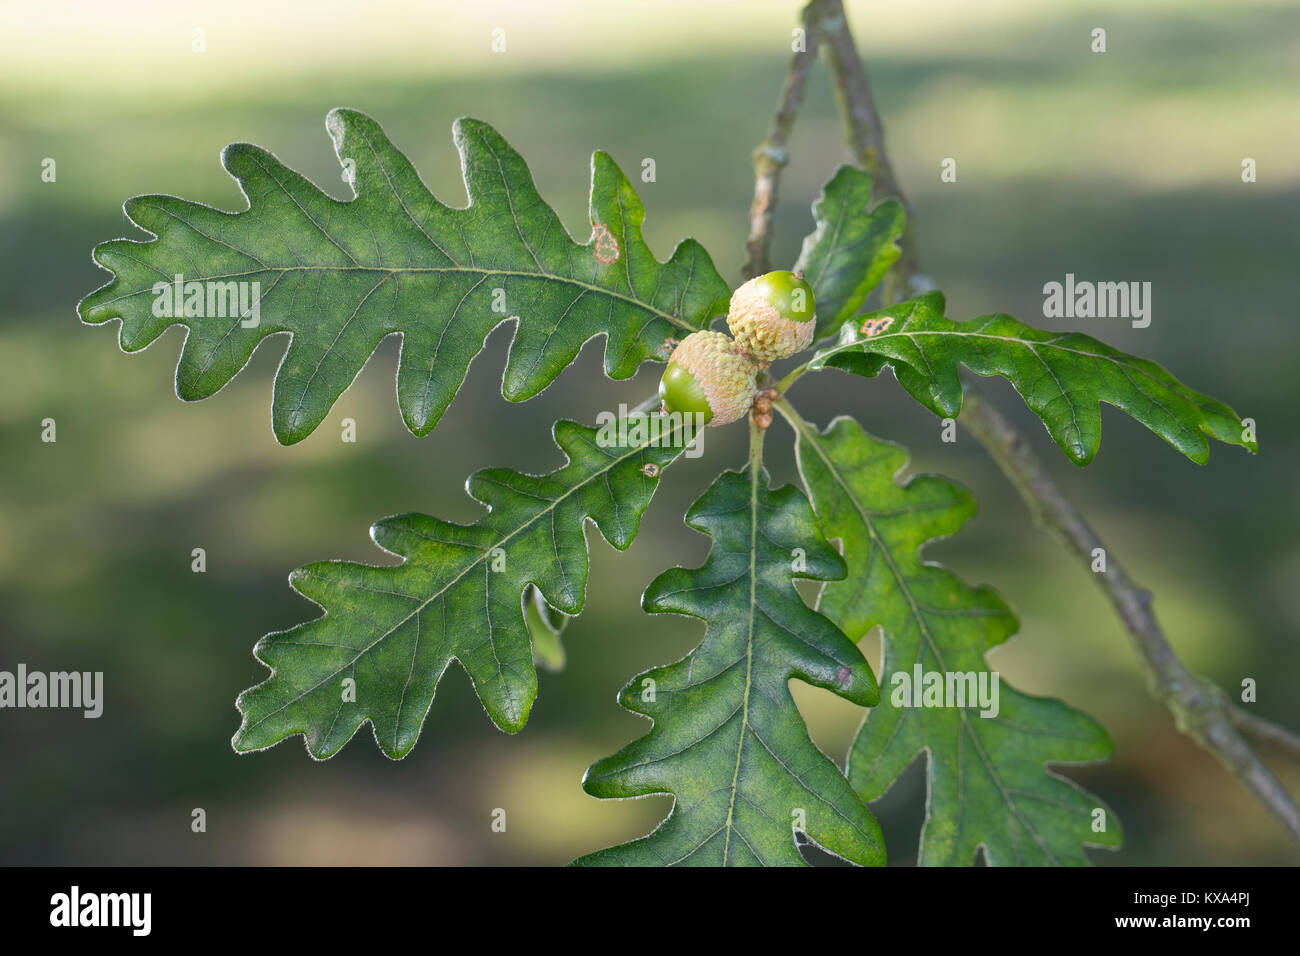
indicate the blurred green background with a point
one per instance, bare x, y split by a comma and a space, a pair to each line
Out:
1122, 166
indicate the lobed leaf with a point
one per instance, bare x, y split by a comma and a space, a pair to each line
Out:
851, 249
1062, 376
727, 740
458, 594
341, 276
985, 767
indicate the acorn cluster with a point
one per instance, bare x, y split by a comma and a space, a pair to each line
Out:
771, 317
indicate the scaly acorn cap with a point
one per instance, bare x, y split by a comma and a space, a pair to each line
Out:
772, 316
707, 373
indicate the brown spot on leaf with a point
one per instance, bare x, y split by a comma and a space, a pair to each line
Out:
606, 248
876, 326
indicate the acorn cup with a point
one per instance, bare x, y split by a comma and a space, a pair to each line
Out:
708, 374
773, 316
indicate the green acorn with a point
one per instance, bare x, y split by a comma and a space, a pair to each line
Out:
772, 316
708, 374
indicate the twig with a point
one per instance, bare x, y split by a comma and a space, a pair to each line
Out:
1265, 731
866, 139
1199, 708
771, 155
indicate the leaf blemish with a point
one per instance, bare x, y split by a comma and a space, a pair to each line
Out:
873, 327
606, 248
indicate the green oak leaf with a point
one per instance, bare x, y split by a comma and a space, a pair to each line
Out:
1062, 376
458, 593
341, 276
851, 249
728, 741
987, 783
545, 625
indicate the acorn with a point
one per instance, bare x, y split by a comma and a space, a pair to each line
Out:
708, 374
772, 316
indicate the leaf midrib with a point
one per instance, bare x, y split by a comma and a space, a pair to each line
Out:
819, 360
472, 270
755, 472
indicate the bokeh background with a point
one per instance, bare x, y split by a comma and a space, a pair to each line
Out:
1122, 166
